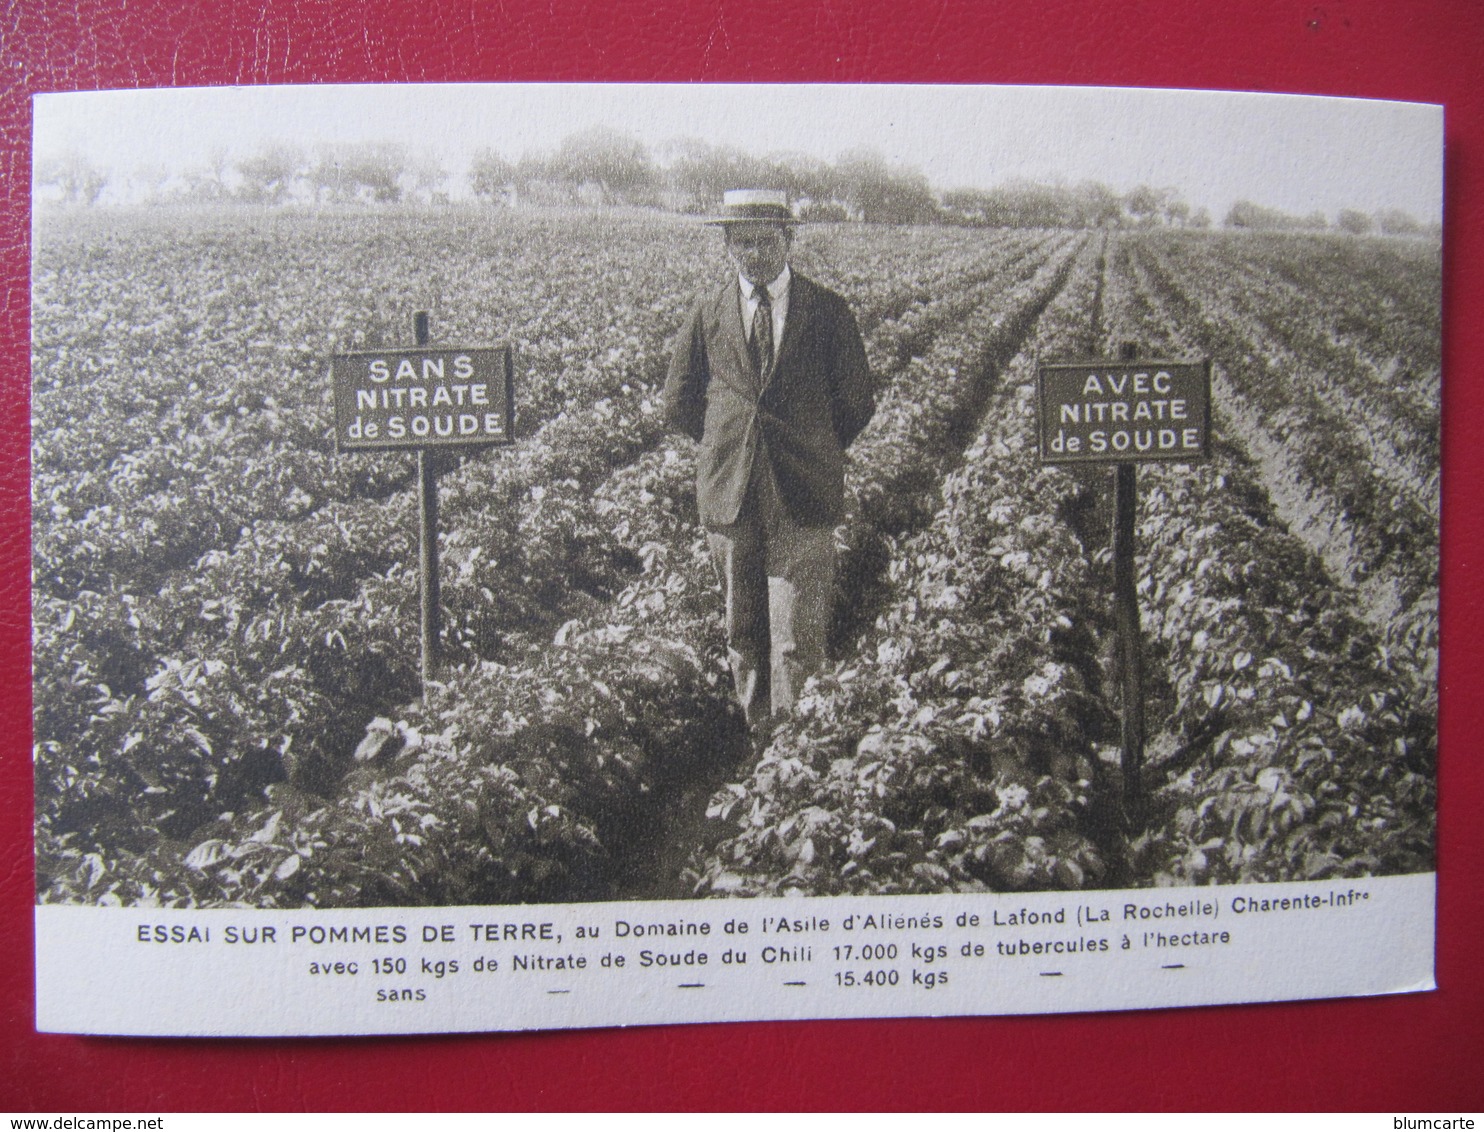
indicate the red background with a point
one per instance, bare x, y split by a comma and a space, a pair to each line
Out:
1417, 1052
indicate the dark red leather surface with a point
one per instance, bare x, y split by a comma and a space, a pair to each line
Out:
1419, 1052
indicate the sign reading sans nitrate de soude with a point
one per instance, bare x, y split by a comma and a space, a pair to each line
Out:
423, 398
1124, 412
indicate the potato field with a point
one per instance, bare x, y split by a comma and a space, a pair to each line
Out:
227, 698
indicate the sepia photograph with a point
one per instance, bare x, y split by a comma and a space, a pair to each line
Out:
458, 496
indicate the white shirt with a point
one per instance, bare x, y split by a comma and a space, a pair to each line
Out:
777, 295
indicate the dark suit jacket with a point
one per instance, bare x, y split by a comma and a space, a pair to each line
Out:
800, 417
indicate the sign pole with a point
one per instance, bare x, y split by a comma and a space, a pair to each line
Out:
1125, 413
427, 539
1126, 616
425, 398
1130, 645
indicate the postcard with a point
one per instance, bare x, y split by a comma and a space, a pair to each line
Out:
525, 556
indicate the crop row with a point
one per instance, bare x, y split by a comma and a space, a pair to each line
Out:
322, 607
957, 746
953, 747
965, 744
1393, 415
1296, 743
544, 767
1382, 299
179, 382
1374, 531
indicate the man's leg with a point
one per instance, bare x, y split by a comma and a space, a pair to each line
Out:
738, 555
801, 580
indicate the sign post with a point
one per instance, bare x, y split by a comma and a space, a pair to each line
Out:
427, 541
1126, 413
1130, 640
424, 399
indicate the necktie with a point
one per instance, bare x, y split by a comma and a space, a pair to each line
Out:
762, 332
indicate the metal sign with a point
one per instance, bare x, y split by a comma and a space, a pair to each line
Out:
423, 398
1125, 412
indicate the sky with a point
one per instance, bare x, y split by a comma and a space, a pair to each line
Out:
1298, 154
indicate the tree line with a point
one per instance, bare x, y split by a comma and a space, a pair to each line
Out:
1387, 221
606, 167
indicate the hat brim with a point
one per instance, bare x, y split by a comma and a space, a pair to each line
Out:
729, 221
754, 214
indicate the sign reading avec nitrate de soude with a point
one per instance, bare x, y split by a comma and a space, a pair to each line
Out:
1125, 412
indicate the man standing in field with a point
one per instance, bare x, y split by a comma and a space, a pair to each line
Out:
769, 376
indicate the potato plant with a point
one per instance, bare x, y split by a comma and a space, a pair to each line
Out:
225, 611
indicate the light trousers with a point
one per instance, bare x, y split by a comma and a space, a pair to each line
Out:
777, 578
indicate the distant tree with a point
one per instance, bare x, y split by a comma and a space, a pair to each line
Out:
801, 176
1245, 214
824, 212
1145, 205
699, 173
617, 163
532, 167
881, 193
360, 171
74, 176
1095, 205
490, 174
326, 178
862, 176
215, 172
429, 178
1201, 218
1030, 204
270, 174
967, 206
208, 182
1026, 204
685, 161
378, 168
1395, 222
151, 179
1353, 221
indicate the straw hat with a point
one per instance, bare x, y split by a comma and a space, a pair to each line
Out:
741, 206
